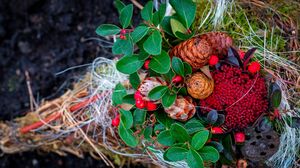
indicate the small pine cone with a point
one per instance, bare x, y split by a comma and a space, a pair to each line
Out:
197, 50
148, 84
182, 109
219, 42
199, 86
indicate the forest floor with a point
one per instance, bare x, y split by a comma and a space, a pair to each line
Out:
42, 38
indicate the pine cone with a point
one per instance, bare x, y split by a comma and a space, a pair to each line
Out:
182, 109
199, 86
197, 50
148, 84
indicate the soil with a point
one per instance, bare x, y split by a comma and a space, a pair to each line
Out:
43, 37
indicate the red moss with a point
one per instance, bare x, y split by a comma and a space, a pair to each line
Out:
231, 84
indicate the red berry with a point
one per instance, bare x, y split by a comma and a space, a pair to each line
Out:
177, 79
122, 37
146, 64
151, 106
213, 60
254, 67
242, 54
217, 130
123, 31
116, 121
138, 95
139, 103
239, 137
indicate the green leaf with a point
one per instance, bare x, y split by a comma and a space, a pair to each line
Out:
139, 33
139, 116
129, 64
107, 29
199, 139
159, 127
186, 10
276, 98
158, 16
157, 92
176, 154
134, 80
143, 56
168, 99
169, 75
147, 11
194, 160
179, 133
127, 136
176, 26
148, 133
166, 26
126, 118
165, 138
178, 66
126, 15
184, 36
153, 43
187, 69
123, 46
193, 126
160, 63
119, 5
209, 153
129, 99
118, 94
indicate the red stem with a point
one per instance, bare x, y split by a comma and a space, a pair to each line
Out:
57, 115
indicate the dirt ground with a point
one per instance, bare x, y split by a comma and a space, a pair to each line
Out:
43, 37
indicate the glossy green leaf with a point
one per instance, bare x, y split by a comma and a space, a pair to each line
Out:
186, 10
126, 15
129, 64
184, 36
126, 118
193, 126
158, 16
168, 99
157, 92
166, 25
153, 43
160, 63
169, 75
178, 66
139, 116
176, 26
143, 56
199, 139
119, 5
123, 46
134, 80
118, 94
129, 99
179, 133
107, 29
176, 154
139, 33
209, 153
127, 136
148, 133
187, 69
147, 11
194, 160
276, 97
165, 138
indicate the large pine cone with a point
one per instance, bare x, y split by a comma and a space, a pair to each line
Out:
197, 50
182, 109
148, 84
199, 86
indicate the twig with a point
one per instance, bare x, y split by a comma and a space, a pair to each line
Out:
137, 4
33, 104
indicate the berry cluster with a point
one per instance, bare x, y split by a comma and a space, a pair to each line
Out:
242, 96
122, 34
140, 103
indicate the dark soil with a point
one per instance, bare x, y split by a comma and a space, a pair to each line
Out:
44, 37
